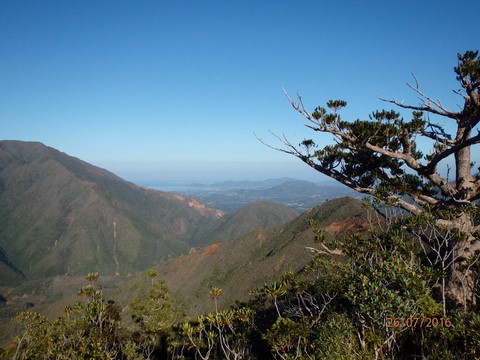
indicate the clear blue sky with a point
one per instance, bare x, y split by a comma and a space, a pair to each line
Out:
174, 90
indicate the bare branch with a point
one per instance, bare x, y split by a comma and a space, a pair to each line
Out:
284, 141
428, 104
326, 251
412, 208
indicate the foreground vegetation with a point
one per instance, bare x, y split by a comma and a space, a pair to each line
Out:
369, 296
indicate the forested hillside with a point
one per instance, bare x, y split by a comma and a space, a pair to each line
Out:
60, 215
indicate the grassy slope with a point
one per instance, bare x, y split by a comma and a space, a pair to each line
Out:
258, 257
237, 266
259, 215
51, 295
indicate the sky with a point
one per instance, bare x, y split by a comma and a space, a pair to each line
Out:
175, 91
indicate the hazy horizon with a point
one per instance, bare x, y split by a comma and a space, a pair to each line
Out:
213, 172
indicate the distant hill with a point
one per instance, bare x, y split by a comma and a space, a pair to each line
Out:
299, 195
259, 215
247, 184
61, 215
260, 256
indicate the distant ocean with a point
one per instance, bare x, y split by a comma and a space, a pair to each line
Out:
181, 188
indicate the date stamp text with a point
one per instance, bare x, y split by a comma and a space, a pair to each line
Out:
413, 322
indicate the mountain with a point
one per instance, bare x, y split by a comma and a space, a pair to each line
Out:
237, 266
259, 215
61, 215
258, 257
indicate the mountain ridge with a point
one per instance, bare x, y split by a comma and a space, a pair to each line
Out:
258, 215
237, 266
257, 257
61, 215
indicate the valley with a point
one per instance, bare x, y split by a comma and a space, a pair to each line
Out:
62, 218
87, 257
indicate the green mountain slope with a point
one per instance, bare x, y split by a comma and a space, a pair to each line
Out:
61, 215
237, 266
259, 215
258, 257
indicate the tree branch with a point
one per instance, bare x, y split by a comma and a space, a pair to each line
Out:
326, 250
429, 105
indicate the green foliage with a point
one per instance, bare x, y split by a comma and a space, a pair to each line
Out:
363, 165
468, 69
336, 339
223, 334
36, 338
352, 299
90, 329
371, 156
345, 306
460, 340
154, 314
289, 339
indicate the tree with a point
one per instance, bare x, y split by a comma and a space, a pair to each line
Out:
86, 330
154, 314
386, 284
222, 335
379, 157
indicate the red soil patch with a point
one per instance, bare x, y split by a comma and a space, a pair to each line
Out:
185, 263
211, 249
346, 224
